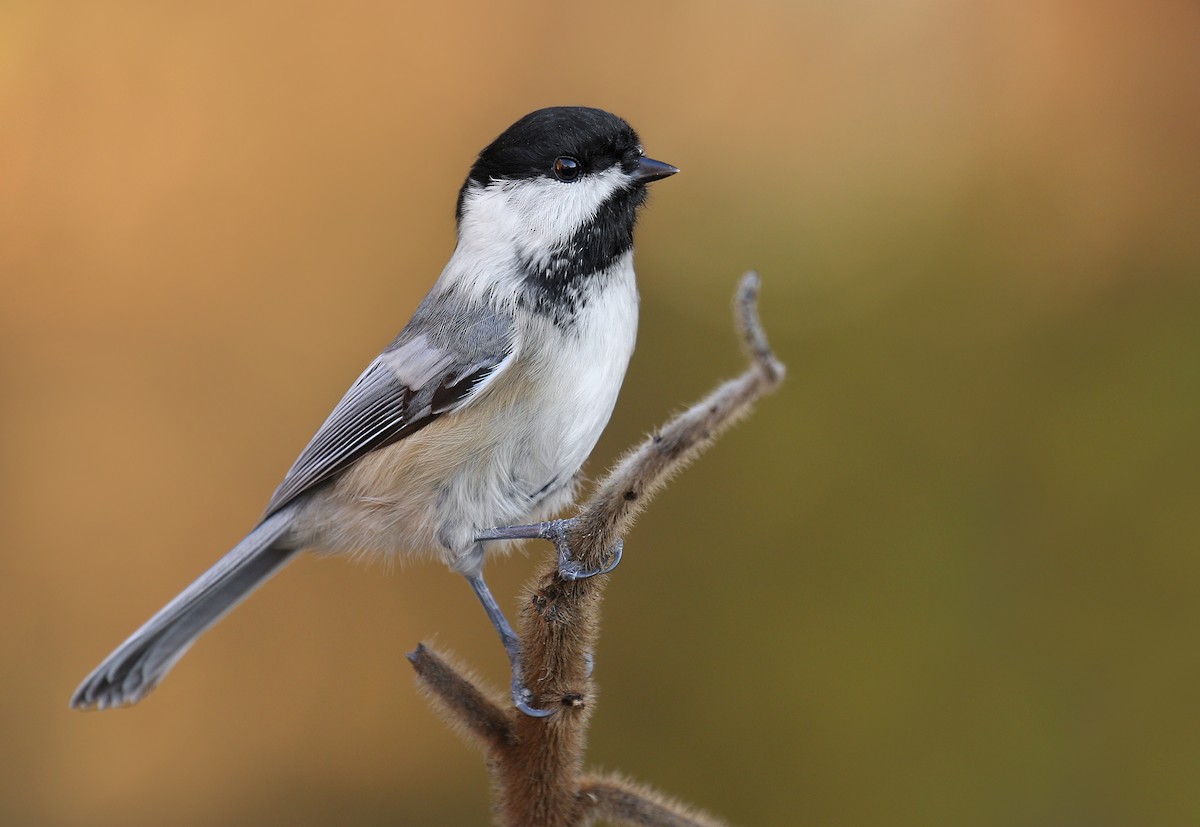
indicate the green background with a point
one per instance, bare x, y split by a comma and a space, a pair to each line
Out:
948, 575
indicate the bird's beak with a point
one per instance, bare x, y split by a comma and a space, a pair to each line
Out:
650, 170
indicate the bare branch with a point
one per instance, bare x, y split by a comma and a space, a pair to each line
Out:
620, 800
625, 492
537, 763
473, 712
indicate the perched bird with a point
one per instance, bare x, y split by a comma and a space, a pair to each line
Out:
480, 413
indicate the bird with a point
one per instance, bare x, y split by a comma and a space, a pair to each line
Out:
480, 414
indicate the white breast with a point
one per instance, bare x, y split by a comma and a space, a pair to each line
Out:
508, 457
573, 376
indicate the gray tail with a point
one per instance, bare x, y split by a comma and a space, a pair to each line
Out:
137, 665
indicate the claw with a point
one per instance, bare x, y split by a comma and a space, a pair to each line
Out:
568, 569
522, 697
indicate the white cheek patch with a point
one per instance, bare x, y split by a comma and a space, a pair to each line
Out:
540, 213
554, 210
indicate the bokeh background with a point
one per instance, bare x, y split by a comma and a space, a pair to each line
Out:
949, 575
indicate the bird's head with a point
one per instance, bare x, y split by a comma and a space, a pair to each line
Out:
561, 182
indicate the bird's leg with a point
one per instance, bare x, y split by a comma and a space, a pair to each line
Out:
568, 569
520, 692
556, 532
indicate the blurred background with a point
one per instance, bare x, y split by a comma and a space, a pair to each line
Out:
950, 574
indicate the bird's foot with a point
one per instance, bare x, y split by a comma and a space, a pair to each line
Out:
556, 532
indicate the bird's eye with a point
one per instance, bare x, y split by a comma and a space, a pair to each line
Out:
567, 168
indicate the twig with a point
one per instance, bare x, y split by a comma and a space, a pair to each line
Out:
625, 802
537, 763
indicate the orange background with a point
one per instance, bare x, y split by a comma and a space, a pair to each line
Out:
949, 575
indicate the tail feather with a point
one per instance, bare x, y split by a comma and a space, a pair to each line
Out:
137, 665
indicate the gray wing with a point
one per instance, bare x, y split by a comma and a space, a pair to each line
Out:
446, 353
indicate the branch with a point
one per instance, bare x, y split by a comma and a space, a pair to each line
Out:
616, 799
627, 489
537, 763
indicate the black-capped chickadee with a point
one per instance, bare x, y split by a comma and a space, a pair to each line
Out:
481, 412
